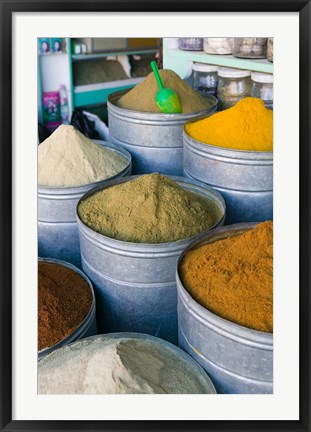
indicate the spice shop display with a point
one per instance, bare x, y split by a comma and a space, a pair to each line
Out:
232, 151
154, 246
69, 165
131, 234
204, 78
252, 48
233, 85
66, 305
124, 363
190, 44
154, 139
218, 45
263, 87
225, 298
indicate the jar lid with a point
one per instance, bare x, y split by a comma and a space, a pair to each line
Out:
233, 73
262, 77
203, 67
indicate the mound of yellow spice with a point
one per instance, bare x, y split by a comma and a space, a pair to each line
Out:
150, 209
233, 277
248, 125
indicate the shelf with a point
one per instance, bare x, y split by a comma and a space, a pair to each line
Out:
98, 93
84, 57
181, 61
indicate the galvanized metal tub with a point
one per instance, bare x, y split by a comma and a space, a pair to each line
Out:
87, 327
244, 178
154, 140
191, 366
58, 235
238, 359
135, 283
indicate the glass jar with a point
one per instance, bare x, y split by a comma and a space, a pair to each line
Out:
190, 44
270, 50
218, 45
233, 85
262, 87
254, 48
205, 78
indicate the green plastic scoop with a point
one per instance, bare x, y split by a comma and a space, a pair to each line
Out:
166, 99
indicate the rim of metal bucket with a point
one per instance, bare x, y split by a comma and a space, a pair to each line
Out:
132, 335
223, 151
150, 116
221, 325
152, 246
77, 190
47, 350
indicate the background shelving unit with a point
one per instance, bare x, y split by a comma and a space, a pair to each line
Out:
57, 69
181, 61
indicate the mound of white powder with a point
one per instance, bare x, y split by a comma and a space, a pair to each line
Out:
105, 365
67, 159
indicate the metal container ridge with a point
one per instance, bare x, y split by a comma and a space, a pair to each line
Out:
134, 283
238, 359
154, 140
195, 368
87, 327
58, 235
244, 178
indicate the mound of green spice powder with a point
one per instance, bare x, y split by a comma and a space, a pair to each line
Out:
150, 209
142, 96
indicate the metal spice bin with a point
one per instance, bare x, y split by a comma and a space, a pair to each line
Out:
58, 235
134, 283
194, 368
243, 178
153, 139
87, 327
238, 359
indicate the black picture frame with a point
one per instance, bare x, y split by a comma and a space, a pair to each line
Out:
7, 8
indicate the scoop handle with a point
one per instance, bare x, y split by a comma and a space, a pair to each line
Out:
155, 69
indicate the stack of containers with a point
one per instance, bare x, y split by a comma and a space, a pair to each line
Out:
135, 283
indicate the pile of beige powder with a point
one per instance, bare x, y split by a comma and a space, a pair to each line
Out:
68, 159
104, 365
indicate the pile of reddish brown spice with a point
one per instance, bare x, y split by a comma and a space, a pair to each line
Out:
64, 300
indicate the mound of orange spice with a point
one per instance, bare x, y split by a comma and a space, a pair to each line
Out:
233, 277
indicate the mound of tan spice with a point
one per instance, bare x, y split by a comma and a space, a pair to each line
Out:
142, 96
64, 300
150, 209
233, 277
